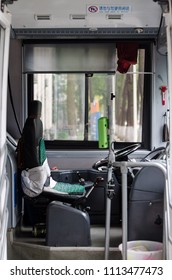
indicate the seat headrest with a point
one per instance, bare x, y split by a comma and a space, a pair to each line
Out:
35, 109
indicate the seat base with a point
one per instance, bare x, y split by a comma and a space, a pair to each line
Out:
66, 226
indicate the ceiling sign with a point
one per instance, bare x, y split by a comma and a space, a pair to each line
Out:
109, 9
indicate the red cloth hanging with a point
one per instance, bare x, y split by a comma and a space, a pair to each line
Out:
127, 55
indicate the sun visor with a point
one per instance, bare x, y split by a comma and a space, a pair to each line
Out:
84, 57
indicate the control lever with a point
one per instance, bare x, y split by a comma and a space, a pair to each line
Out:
97, 181
80, 203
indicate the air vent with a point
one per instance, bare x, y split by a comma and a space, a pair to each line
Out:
78, 17
114, 16
42, 17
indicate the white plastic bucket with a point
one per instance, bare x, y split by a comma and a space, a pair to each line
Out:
143, 250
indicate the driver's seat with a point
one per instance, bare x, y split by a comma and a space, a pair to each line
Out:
38, 186
66, 223
32, 161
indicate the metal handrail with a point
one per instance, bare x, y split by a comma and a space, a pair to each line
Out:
168, 222
4, 232
4, 165
3, 177
4, 215
5, 203
124, 170
168, 174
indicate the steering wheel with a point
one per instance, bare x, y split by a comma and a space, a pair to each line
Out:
157, 153
119, 156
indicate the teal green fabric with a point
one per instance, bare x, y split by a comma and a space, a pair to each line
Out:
69, 188
42, 153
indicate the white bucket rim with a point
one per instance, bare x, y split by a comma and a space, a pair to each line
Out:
140, 242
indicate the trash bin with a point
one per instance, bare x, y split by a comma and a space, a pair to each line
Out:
143, 250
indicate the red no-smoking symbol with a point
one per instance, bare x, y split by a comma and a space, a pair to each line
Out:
93, 9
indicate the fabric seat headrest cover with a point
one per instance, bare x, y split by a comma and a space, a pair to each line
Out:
35, 108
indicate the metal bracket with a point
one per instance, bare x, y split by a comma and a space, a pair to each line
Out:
112, 96
164, 5
124, 168
110, 189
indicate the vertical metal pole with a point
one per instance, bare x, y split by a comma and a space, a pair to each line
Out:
168, 21
108, 217
111, 159
124, 211
135, 104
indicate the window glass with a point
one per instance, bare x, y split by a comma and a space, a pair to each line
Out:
63, 105
73, 103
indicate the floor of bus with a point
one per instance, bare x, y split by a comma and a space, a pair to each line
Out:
23, 245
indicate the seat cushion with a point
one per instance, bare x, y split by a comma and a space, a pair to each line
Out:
69, 188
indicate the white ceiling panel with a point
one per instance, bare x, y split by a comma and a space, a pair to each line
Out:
85, 14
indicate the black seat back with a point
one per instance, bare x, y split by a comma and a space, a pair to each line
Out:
32, 136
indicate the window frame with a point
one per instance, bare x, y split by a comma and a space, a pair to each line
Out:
93, 145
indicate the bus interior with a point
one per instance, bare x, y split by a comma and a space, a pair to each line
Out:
86, 92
